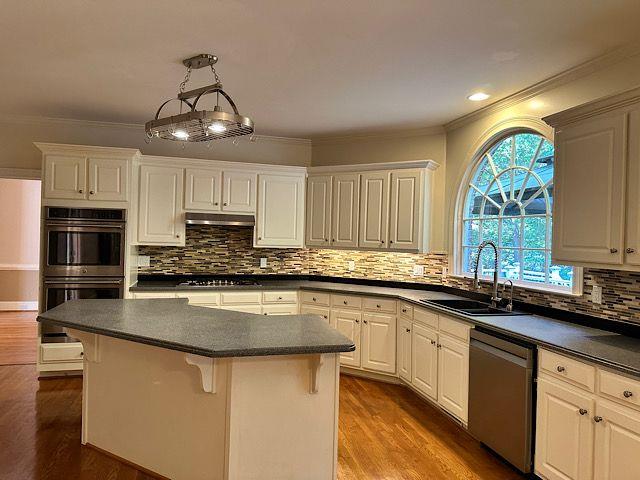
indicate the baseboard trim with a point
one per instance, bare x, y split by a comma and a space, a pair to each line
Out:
140, 468
18, 306
380, 377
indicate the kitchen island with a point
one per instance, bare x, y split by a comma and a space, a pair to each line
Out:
196, 393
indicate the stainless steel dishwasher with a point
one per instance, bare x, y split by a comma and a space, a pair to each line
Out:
501, 396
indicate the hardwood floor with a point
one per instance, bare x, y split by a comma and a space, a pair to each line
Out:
18, 332
386, 432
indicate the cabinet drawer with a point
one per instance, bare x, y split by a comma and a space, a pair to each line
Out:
61, 352
284, 309
573, 371
425, 317
279, 297
455, 328
346, 301
154, 295
309, 309
618, 387
405, 309
257, 309
315, 298
240, 298
200, 298
379, 305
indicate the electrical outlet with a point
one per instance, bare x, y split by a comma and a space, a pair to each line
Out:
263, 262
445, 272
418, 270
351, 265
144, 261
596, 294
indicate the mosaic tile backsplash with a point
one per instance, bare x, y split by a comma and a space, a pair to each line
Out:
229, 250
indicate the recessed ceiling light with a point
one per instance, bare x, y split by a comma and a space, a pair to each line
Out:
478, 96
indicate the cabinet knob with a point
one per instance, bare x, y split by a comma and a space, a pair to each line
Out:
177, 235
377, 306
404, 310
314, 299
264, 313
364, 321
333, 239
215, 203
439, 346
433, 342
91, 192
259, 238
224, 204
631, 250
560, 368
597, 419
627, 394
390, 241
613, 250
408, 330
582, 411
345, 302
357, 321
279, 298
325, 317
80, 191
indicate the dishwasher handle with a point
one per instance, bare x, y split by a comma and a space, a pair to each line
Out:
507, 356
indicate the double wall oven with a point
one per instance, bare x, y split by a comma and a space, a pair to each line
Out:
83, 258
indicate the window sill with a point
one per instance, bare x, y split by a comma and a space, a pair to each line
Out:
577, 292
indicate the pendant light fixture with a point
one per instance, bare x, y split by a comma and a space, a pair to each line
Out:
199, 125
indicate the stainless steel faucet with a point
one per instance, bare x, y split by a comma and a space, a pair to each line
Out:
495, 299
509, 306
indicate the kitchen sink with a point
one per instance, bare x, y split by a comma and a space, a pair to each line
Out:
470, 307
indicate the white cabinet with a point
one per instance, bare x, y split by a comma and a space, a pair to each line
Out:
564, 435
632, 243
203, 189
345, 210
453, 376
323, 312
404, 350
65, 177
379, 342
239, 191
348, 323
160, 210
405, 217
374, 209
424, 360
108, 179
617, 442
319, 190
280, 215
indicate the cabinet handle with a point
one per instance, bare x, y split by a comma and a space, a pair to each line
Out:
631, 250
613, 250
408, 330
404, 310
582, 411
177, 235
627, 394
560, 368
80, 191
364, 321
225, 204
333, 239
597, 419
279, 298
314, 299
325, 317
215, 203
390, 241
345, 302
259, 238
91, 192
439, 346
433, 342
377, 306
357, 321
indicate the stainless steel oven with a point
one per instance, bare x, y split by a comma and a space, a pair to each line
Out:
84, 242
60, 290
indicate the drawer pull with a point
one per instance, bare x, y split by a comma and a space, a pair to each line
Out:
377, 306
583, 411
408, 330
345, 302
439, 346
613, 250
597, 419
433, 342
631, 250
364, 321
357, 321
404, 310
560, 368
325, 317
279, 298
314, 299
627, 394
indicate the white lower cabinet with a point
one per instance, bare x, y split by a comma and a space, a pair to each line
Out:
379, 342
404, 349
424, 360
348, 322
323, 312
453, 376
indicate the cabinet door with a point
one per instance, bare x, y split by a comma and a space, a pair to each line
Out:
379, 342
424, 360
404, 216
589, 191
404, 349
239, 191
108, 179
453, 376
632, 244
564, 436
65, 177
280, 216
319, 210
345, 210
348, 323
160, 214
374, 210
617, 447
323, 312
203, 190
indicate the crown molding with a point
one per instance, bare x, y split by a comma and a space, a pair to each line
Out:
49, 148
607, 59
377, 135
221, 164
368, 167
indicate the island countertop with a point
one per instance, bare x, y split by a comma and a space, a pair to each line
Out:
176, 325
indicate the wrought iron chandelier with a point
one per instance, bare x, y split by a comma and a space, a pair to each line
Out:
199, 125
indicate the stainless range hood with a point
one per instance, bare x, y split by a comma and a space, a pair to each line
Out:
192, 218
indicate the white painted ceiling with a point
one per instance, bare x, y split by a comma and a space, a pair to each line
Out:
299, 68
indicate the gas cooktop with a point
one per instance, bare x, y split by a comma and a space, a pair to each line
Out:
217, 282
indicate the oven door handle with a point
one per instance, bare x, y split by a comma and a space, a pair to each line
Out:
83, 282
53, 223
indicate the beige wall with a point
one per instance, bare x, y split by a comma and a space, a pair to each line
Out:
17, 135
19, 239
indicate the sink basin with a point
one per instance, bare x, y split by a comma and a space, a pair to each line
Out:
470, 307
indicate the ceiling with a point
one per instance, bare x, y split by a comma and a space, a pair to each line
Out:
299, 68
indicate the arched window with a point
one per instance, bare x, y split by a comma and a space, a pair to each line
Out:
509, 200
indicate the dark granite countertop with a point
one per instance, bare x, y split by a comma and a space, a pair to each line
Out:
601, 346
176, 325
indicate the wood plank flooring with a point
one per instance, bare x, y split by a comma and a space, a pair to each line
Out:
18, 332
386, 432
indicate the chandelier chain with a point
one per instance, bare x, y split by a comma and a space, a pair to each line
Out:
184, 82
215, 74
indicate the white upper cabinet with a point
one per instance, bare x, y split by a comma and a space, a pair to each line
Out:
108, 179
405, 222
280, 216
239, 191
203, 189
374, 209
345, 210
319, 210
160, 213
632, 244
65, 177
